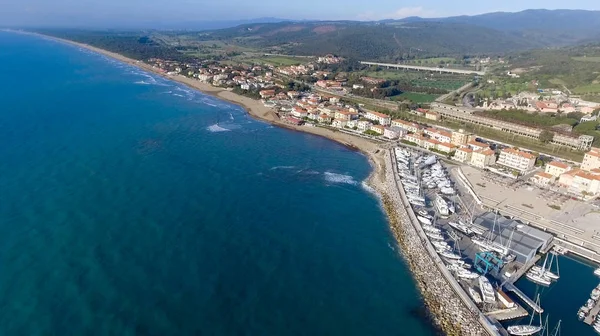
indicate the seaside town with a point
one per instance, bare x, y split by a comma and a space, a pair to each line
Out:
486, 212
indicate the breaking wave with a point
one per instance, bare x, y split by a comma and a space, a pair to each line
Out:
339, 178
216, 128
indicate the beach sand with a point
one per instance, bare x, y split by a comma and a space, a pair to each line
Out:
257, 110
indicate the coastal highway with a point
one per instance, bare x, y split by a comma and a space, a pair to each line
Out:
423, 68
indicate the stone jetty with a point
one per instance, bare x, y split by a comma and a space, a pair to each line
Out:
448, 311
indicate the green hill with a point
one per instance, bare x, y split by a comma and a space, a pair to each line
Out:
372, 41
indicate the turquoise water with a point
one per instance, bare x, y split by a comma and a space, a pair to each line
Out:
562, 299
131, 205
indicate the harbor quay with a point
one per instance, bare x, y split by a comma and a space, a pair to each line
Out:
451, 307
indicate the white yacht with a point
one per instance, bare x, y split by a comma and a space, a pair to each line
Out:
597, 272
523, 330
487, 291
466, 274
450, 255
476, 297
487, 245
460, 227
441, 206
432, 229
424, 220
434, 236
539, 279
526, 329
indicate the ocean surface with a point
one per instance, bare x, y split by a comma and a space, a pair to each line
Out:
132, 205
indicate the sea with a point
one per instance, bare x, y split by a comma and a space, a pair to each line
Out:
562, 299
133, 205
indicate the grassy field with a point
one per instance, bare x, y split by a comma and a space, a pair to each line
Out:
443, 81
595, 59
591, 88
449, 85
280, 60
415, 97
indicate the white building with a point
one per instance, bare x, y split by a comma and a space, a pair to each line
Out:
516, 159
382, 119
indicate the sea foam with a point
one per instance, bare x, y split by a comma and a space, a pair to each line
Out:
216, 128
339, 178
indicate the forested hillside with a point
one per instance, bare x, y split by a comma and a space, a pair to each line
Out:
372, 41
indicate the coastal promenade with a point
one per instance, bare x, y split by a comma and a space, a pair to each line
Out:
453, 310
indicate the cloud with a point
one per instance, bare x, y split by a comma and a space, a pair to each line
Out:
397, 14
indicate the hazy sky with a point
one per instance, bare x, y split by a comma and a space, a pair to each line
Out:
111, 12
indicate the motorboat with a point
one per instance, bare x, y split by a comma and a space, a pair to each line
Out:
476, 297
450, 255
424, 220
423, 213
441, 206
487, 291
432, 229
434, 236
466, 274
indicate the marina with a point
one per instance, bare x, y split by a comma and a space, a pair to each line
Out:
495, 258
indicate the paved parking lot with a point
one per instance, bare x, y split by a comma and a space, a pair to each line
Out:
573, 220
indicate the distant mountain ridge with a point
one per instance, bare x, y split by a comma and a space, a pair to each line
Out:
553, 27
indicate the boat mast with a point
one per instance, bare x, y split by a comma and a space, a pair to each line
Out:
556, 331
543, 271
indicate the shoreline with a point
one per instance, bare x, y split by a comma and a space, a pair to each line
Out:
378, 180
254, 108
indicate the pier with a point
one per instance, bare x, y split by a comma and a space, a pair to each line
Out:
508, 314
591, 318
512, 288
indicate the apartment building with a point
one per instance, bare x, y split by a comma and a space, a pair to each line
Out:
516, 159
581, 182
382, 119
557, 168
483, 158
591, 160
463, 154
460, 138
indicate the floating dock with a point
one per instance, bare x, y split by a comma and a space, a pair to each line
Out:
512, 288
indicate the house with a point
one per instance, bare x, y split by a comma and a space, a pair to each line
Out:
543, 179
409, 126
432, 115
516, 159
352, 123
439, 135
294, 121
394, 132
477, 145
266, 93
415, 138
378, 129
579, 181
299, 112
363, 125
339, 123
382, 119
460, 137
591, 159
324, 118
588, 117
346, 115
429, 144
557, 168
293, 94
313, 115
463, 154
483, 158
446, 147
